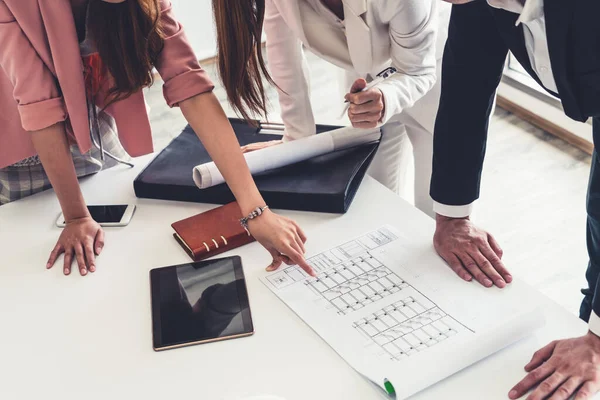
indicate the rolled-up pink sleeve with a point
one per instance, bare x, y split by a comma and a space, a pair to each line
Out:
34, 87
177, 64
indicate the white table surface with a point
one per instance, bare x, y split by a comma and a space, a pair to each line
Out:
90, 337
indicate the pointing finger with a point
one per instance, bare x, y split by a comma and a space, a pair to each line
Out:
299, 260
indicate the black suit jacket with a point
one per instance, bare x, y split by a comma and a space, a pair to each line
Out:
478, 42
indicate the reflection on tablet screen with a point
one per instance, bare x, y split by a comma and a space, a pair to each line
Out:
199, 302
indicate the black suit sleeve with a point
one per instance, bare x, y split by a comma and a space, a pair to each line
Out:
474, 58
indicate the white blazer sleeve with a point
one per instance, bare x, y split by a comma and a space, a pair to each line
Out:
289, 70
413, 33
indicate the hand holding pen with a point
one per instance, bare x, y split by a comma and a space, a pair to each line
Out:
366, 105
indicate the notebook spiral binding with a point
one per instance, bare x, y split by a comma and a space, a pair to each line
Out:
206, 245
216, 244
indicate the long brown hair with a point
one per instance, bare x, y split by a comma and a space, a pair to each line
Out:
129, 39
241, 64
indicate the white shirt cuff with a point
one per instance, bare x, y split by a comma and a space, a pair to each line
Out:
454, 211
594, 324
391, 107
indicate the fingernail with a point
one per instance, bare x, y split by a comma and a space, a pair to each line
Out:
98, 250
509, 278
48, 266
83, 272
487, 282
66, 271
92, 268
500, 283
512, 394
270, 268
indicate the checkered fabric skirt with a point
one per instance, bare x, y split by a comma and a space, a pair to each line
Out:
28, 177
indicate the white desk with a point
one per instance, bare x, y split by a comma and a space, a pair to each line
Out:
73, 337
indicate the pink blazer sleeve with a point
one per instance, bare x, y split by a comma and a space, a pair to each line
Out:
35, 92
177, 64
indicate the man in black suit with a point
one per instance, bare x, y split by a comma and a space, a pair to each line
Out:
558, 43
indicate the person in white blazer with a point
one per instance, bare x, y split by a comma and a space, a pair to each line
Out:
363, 37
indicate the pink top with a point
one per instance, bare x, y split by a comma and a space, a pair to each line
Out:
41, 78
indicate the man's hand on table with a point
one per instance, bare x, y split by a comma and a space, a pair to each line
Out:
562, 369
470, 251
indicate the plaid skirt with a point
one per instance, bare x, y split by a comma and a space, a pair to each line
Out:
28, 177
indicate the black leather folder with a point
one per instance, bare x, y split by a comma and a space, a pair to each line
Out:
326, 183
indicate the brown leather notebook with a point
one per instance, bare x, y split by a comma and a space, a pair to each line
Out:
212, 232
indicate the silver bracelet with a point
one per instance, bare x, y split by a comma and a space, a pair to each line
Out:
257, 212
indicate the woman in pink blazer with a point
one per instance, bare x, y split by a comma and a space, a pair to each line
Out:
71, 74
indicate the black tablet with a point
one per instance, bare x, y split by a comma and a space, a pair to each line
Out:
200, 302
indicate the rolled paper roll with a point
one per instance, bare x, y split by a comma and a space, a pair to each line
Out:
260, 161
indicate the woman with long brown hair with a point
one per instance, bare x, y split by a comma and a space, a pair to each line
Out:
71, 74
362, 38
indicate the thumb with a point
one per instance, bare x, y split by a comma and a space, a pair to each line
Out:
358, 85
276, 260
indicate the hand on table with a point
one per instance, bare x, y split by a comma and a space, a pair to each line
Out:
366, 108
81, 238
260, 145
562, 369
470, 251
283, 238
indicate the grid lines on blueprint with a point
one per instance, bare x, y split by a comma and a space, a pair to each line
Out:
350, 278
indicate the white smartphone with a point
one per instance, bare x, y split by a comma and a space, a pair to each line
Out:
108, 215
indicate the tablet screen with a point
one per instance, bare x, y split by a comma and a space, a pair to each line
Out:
199, 302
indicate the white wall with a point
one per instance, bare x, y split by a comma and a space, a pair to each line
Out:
197, 19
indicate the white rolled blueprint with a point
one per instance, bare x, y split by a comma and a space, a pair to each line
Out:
260, 161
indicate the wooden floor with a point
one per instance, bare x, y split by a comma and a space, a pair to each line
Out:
533, 191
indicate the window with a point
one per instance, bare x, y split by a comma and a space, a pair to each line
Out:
522, 95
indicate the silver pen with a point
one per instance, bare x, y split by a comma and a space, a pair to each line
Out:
271, 128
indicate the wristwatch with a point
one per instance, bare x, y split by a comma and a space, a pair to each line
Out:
257, 212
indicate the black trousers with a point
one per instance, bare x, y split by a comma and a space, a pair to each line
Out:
591, 300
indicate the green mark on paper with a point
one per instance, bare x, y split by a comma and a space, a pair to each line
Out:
389, 387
